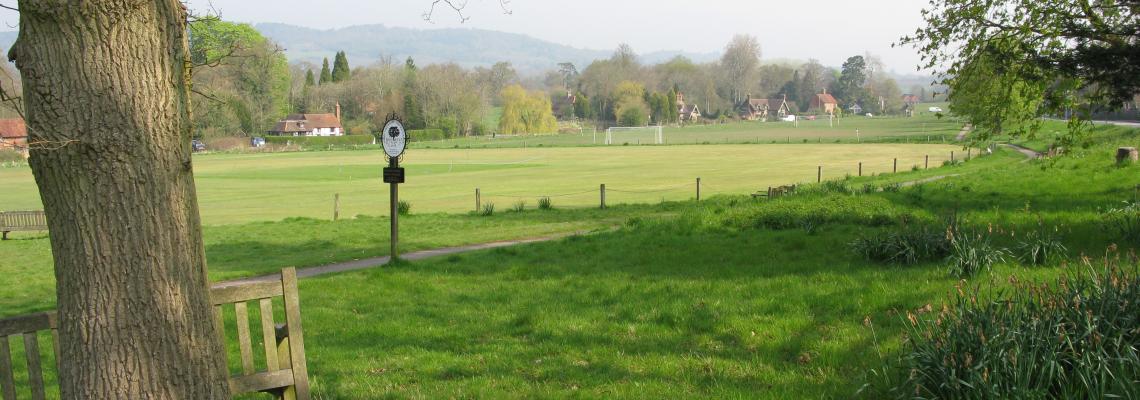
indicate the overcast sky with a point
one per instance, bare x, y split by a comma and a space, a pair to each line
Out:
828, 30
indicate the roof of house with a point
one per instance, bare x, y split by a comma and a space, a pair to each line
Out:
825, 98
306, 122
689, 109
13, 128
910, 98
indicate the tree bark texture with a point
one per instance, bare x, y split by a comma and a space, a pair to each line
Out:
106, 90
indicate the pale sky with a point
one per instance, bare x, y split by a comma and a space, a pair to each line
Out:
828, 30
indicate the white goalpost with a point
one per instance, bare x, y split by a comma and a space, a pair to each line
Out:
652, 134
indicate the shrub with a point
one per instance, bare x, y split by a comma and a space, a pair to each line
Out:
487, 210
519, 206
423, 135
321, 141
973, 252
906, 246
892, 187
1125, 221
1040, 246
545, 204
404, 207
1076, 339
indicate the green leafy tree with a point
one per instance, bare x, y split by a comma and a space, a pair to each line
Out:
525, 112
326, 75
849, 87
582, 107
340, 70
245, 77
309, 79
1086, 48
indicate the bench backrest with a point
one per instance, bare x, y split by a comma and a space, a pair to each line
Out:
285, 373
23, 219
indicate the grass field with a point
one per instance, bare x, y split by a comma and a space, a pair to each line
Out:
732, 297
236, 188
924, 128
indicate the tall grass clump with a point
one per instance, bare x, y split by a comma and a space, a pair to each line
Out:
545, 204
487, 210
1075, 339
519, 206
404, 207
1124, 221
1040, 246
905, 246
973, 252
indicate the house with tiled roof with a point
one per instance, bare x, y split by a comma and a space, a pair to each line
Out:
687, 112
753, 109
823, 102
309, 125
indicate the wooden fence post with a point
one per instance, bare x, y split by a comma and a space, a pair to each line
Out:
896, 167
819, 174
927, 162
951, 156
769, 193
602, 191
698, 188
336, 206
969, 152
478, 202
860, 168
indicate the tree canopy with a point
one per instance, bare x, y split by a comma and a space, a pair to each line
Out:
1083, 54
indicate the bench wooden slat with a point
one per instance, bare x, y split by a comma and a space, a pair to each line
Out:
247, 292
268, 335
261, 381
7, 381
220, 330
296, 337
241, 318
27, 323
35, 372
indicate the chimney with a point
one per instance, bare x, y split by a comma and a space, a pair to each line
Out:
338, 111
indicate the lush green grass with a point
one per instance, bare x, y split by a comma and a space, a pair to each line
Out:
733, 297
236, 188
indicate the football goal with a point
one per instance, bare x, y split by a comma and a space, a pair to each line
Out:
635, 135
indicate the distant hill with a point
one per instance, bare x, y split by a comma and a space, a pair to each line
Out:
365, 44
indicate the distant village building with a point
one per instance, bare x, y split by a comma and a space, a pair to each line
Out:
14, 135
753, 109
855, 108
687, 113
910, 99
823, 102
309, 125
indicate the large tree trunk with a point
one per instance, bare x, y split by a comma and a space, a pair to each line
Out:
107, 100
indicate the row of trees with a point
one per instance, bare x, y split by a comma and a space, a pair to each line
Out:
249, 85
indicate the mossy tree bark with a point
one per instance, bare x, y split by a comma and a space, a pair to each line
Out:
106, 90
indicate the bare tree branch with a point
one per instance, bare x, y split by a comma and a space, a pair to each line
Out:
458, 6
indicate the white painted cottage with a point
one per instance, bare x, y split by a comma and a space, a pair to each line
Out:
309, 125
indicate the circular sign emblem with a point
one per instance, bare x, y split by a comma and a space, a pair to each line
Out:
394, 138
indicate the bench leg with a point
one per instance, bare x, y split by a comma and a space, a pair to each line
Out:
5, 235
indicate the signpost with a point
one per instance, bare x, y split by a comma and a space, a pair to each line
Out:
394, 139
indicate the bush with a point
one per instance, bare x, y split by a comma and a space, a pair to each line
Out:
1076, 339
11, 156
545, 204
973, 252
487, 210
423, 135
404, 207
907, 246
519, 206
1125, 221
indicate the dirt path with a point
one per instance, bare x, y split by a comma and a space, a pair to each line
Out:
963, 133
1028, 152
378, 261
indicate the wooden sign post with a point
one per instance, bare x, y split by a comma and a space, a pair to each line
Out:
395, 139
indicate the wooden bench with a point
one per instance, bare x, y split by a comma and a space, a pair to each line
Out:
286, 371
13, 221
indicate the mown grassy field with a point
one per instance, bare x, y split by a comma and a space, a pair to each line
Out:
923, 128
237, 188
